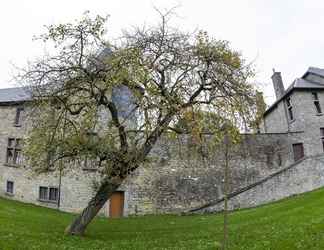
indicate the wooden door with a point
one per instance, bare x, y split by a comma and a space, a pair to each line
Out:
116, 205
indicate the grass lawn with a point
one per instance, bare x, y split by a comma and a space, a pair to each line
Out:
296, 223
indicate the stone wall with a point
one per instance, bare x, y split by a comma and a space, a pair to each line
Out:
276, 120
181, 175
308, 121
76, 186
179, 178
304, 176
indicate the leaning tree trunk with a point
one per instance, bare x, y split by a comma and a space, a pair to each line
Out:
79, 225
107, 188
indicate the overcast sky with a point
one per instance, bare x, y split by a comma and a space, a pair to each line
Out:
285, 35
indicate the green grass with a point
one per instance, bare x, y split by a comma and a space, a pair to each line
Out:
296, 223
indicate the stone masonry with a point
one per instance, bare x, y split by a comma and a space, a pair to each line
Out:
180, 176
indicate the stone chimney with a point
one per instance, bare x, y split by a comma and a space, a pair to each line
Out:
277, 84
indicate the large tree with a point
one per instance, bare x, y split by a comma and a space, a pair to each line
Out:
164, 74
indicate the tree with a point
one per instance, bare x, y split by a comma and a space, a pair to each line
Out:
163, 72
226, 187
261, 107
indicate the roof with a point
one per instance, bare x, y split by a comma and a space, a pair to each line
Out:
14, 95
313, 70
21, 94
299, 84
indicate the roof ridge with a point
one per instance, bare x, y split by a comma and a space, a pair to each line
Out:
22, 87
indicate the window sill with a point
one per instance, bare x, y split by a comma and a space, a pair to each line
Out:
9, 194
47, 201
12, 165
17, 125
292, 121
319, 114
90, 169
50, 170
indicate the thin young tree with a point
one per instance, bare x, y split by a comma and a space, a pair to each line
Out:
227, 147
163, 72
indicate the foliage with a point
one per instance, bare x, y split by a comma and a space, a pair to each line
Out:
295, 223
168, 72
162, 72
260, 106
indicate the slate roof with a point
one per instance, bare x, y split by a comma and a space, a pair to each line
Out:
14, 95
300, 83
313, 70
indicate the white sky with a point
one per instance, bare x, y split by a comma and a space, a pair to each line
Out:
285, 35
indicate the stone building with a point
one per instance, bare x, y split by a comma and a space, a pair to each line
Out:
286, 158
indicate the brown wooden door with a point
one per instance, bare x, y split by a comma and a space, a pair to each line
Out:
116, 205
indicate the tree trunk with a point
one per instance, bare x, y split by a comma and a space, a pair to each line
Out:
79, 225
107, 188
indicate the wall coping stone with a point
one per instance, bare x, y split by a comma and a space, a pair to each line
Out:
244, 189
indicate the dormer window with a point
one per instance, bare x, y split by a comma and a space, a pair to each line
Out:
289, 108
316, 103
19, 112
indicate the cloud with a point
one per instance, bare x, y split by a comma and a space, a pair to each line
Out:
285, 35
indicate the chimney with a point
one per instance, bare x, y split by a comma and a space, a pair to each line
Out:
277, 84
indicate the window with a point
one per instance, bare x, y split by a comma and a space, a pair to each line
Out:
89, 164
53, 194
48, 194
298, 150
18, 116
317, 103
279, 159
43, 193
322, 136
14, 156
10, 187
289, 108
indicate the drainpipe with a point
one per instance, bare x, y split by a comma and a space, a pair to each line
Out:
61, 168
59, 187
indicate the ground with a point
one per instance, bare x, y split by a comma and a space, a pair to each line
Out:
295, 223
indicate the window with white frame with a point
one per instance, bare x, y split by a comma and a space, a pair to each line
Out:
14, 154
48, 194
317, 103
